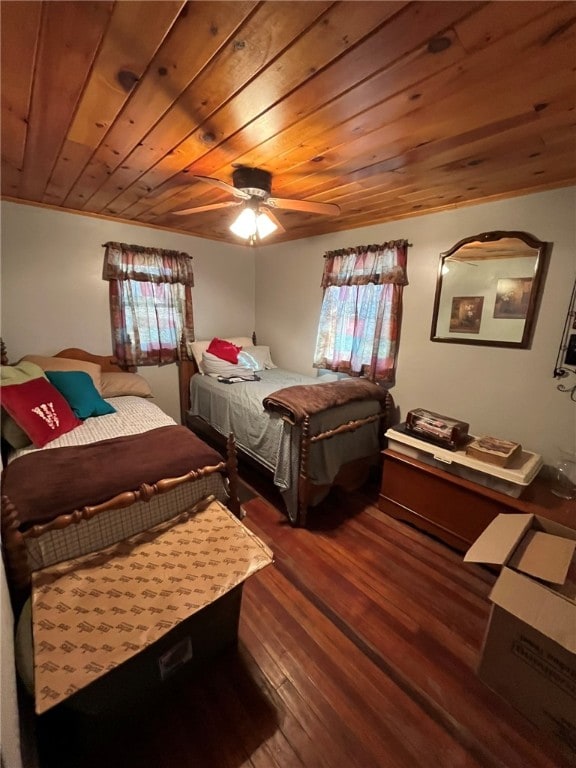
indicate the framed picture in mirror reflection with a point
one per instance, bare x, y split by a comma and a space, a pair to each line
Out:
512, 298
466, 314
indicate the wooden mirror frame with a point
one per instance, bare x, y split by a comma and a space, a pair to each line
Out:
541, 251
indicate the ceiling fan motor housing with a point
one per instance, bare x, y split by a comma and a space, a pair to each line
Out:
254, 181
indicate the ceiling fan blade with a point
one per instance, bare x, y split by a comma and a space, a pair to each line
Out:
305, 206
223, 185
203, 208
275, 220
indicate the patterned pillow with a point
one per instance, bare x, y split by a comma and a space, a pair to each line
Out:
40, 410
16, 374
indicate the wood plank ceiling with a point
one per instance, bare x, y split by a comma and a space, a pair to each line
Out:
388, 109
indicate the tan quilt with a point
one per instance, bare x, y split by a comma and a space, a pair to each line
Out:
95, 612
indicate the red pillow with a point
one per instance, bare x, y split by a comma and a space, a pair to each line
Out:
225, 350
39, 409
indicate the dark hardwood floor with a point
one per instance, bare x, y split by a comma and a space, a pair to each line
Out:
357, 649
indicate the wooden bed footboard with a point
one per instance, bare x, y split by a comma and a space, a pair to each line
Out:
351, 475
14, 538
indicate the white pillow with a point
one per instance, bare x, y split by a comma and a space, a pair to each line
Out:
256, 358
197, 348
215, 366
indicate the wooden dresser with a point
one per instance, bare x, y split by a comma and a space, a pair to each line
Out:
454, 509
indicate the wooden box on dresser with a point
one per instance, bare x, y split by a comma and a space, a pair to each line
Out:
454, 509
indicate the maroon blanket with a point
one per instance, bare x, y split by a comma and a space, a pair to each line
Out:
56, 481
297, 402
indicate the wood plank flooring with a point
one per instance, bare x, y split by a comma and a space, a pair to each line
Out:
357, 649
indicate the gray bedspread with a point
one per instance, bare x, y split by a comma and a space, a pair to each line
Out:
273, 442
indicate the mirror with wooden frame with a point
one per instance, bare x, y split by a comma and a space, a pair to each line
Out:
488, 290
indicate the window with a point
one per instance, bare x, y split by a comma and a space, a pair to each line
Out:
361, 307
150, 303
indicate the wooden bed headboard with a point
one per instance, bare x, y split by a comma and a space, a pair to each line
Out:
108, 363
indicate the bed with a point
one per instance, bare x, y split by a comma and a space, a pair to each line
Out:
307, 447
117, 529
96, 509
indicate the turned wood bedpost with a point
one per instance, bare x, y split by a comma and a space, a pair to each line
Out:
387, 407
303, 487
384, 418
17, 566
186, 370
232, 467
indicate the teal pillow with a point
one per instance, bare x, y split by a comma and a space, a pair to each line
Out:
77, 387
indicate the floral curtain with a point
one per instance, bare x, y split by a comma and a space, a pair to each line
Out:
150, 302
361, 309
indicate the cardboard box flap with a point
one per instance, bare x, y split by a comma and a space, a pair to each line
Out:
546, 611
544, 556
499, 540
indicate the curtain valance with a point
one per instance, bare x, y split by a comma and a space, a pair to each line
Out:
150, 265
364, 264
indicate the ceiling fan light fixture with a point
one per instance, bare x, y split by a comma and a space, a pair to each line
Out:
244, 225
252, 225
265, 225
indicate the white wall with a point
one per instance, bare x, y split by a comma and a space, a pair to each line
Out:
503, 392
53, 295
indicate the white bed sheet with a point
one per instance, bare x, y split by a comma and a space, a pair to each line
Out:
133, 416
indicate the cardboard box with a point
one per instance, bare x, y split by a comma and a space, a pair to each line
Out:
114, 623
529, 651
190, 646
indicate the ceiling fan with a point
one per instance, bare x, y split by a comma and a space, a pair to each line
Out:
252, 188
